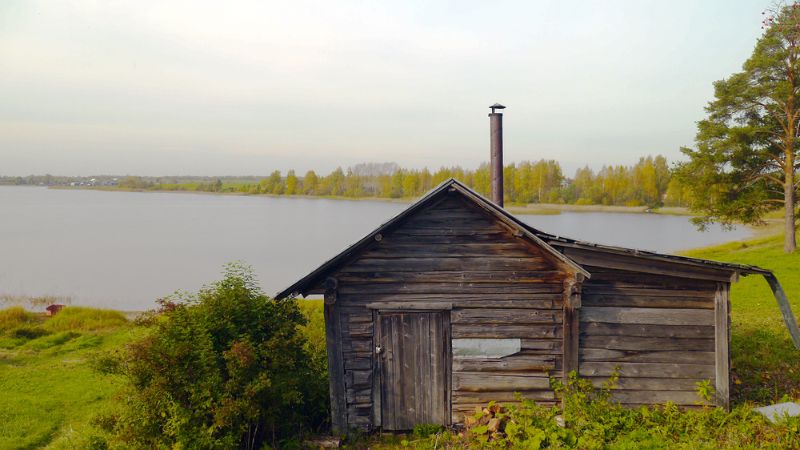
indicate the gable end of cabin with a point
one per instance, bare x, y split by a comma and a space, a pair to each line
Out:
448, 309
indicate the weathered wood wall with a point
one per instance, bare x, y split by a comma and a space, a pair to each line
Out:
453, 256
664, 325
659, 330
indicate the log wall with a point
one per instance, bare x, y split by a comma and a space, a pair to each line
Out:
658, 330
453, 256
664, 326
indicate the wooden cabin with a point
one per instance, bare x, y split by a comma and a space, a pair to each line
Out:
455, 302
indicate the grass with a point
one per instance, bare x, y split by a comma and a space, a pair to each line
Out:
765, 364
49, 391
50, 396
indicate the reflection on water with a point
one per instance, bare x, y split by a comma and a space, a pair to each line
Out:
125, 249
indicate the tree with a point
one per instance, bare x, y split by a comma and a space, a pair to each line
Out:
291, 183
310, 182
745, 162
397, 184
272, 184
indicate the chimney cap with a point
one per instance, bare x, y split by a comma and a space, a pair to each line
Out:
497, 106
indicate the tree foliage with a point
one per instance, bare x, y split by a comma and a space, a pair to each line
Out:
745, 161
225, 368
543, 181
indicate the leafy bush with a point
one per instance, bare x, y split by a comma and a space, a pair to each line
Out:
523, 425
85, 319
588, 418
225, 368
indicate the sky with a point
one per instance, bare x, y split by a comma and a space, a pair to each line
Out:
247, 87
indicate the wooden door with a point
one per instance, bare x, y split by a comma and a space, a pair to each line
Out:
413, 364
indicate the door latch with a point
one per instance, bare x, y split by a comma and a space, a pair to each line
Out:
378, 350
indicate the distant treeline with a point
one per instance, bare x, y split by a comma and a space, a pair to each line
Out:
647, 183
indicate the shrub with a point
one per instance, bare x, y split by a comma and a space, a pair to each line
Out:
588, 418
225, 368
85, 319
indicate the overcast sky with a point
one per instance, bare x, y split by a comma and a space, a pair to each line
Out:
247, 87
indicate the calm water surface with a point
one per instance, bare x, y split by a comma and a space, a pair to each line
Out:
124, 250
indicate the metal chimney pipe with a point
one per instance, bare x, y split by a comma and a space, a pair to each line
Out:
496, 145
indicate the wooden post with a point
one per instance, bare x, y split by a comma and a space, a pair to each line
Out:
333, 336
785, 307
722, 339
377, 370
572, 305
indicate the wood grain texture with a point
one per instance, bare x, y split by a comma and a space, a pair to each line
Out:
336, 377
722, 340
505, 316
645, 383
655, 316
515, 363
485, 382
691, 357
650, 397
464, 397
462, 300
649, 370
647, 330
643, 301
504, 331
414, 379
646, 343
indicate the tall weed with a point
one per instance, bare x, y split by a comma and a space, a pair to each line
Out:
75, 318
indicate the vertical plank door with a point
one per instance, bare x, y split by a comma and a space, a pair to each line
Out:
413, 367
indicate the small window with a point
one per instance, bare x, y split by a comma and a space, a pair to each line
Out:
485, 348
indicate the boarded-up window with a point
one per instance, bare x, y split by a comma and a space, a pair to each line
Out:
485, 348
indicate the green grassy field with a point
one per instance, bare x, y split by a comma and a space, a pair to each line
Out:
50, 393
765, 364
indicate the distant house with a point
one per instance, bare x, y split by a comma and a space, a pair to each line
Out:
53, 309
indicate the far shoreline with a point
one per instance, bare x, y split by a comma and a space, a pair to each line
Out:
521, 209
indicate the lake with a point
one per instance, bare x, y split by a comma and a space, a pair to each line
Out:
123, 250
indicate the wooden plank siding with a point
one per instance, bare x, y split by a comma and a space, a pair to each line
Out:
658, 331
454, 257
